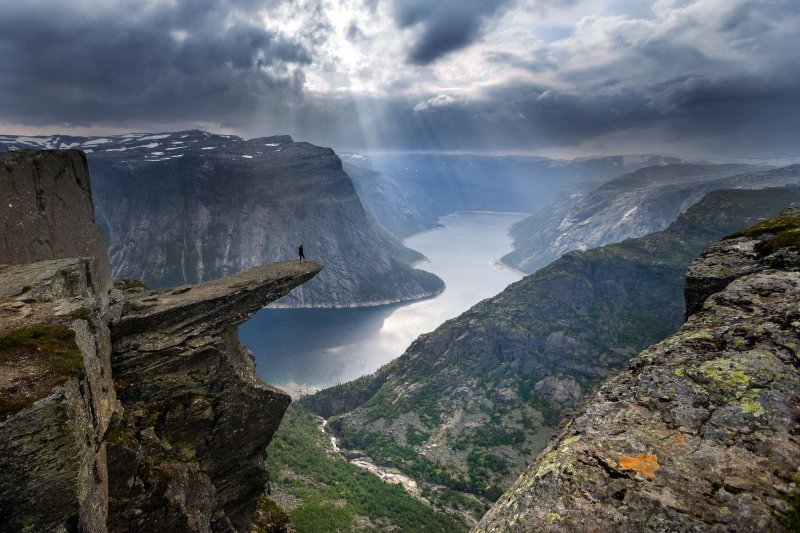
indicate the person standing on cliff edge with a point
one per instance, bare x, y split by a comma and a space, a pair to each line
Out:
302, 255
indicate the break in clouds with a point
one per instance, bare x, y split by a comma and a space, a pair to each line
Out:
719, 76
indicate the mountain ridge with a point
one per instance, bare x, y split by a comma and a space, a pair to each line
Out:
697, 432
630, 205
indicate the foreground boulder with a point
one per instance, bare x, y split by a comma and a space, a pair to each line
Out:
699, 432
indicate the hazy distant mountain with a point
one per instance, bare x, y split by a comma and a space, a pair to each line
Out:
467, 405
631, 205
188, 207
409, 192
385, 202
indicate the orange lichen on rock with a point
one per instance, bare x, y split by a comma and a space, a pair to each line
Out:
646, 464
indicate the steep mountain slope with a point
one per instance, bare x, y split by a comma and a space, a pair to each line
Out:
468, 403
699, 432
385, 202
629, 206
189, 207
47, 210
408, 192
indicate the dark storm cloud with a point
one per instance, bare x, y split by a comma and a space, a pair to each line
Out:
447, 25
712, 79
723, 116
110, 63
719, 76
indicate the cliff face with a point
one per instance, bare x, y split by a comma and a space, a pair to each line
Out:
190, 447
126, 409
699, 432
631, 205
56, 397
47, 211
468, 404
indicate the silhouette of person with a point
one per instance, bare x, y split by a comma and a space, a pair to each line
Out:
302, 255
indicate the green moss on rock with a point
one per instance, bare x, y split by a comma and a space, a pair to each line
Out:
51, 349
785, 231
270, 518
80, 313
127, 284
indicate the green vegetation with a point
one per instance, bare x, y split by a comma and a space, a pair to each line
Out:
791, 520
126, 284
336, 494
596, 309
49, 347
80, 313
785, 231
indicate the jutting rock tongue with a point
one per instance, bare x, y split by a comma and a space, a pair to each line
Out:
176, 440
191, 446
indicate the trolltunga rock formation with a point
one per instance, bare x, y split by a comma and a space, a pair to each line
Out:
130, 409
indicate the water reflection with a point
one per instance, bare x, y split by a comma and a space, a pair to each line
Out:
322, 347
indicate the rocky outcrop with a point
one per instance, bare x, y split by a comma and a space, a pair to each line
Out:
189, 450
758, 248
629, 206
699, 432
47, 210
56, 393
127, 410
469, 404
56, 397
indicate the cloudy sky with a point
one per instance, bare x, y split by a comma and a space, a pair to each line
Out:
557, 77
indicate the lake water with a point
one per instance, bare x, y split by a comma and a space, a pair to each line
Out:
322, 347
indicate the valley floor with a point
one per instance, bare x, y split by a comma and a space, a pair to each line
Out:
321, 491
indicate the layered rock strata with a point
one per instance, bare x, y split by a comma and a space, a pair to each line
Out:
700, 431
189, 450
46, 211
56, 397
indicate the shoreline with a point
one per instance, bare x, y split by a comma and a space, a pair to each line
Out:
377, 303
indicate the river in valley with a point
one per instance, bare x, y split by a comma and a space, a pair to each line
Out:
318, 348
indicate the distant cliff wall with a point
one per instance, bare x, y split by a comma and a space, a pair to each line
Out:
221, 204
630, 206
